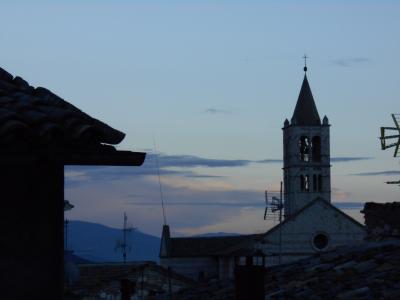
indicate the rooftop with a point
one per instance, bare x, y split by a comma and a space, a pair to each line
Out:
209, 246
367, 271
35, 119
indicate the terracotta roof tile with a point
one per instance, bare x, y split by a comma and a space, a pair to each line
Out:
39, 117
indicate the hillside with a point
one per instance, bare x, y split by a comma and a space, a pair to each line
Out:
96, 242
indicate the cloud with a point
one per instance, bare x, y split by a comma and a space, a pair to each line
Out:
339, 194
214, 111
349, 205
186, 205
169, 165
201, 203
190, 161
269, 161
241, 204
384, 173
348, 62
348, 159
192, 206
333, 159
175, 165
204, 176
223, 199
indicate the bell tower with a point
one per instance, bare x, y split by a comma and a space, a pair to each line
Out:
306, 154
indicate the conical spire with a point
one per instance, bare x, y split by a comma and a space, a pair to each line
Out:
306, 112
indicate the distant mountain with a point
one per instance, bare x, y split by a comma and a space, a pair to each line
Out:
96, 242
71, 257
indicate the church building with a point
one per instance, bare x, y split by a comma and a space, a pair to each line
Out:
311, 223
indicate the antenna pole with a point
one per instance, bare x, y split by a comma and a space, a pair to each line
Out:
280, 227
124, 243
66, 234
159, 182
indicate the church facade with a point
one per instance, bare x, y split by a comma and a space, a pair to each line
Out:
311, 223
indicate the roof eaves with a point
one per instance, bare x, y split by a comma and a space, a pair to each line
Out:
306, 207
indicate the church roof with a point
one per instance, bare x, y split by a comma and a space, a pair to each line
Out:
239, 245
300, 211
208, 246
306, 112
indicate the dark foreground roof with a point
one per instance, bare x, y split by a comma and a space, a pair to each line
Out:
370, 270
35, 119
210, 246
105, 278
305, 112
42, 116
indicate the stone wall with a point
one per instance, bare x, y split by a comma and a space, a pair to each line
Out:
382, 219
294, 167
297, 234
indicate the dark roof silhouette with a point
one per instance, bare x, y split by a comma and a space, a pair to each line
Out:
35, 119
209, 246
42, 116
305, 207
306, 112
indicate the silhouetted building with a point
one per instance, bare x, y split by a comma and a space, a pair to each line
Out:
206, 257
312, 224
140, 280
382, 219
40, 133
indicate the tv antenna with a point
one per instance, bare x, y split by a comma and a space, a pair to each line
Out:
123, 245
273, 211
391, 140
159, 182
273, 205
67, 206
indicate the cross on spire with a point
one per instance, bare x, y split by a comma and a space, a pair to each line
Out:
305, 62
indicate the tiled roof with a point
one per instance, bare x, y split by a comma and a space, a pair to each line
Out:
98, 280
208, 246
36, 117
369, 270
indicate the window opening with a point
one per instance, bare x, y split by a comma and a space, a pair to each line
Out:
257, 260
315, 183
320, 241
319, 183
241, 261
304, 183
304, 148
316, 148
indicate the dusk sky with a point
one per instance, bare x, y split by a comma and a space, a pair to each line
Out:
212, 83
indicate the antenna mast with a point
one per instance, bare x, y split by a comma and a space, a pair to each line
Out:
123, 245
159, 181
272, 206
67, 206
124, 234
391, 140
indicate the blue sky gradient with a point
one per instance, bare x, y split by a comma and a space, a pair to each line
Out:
214, 80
